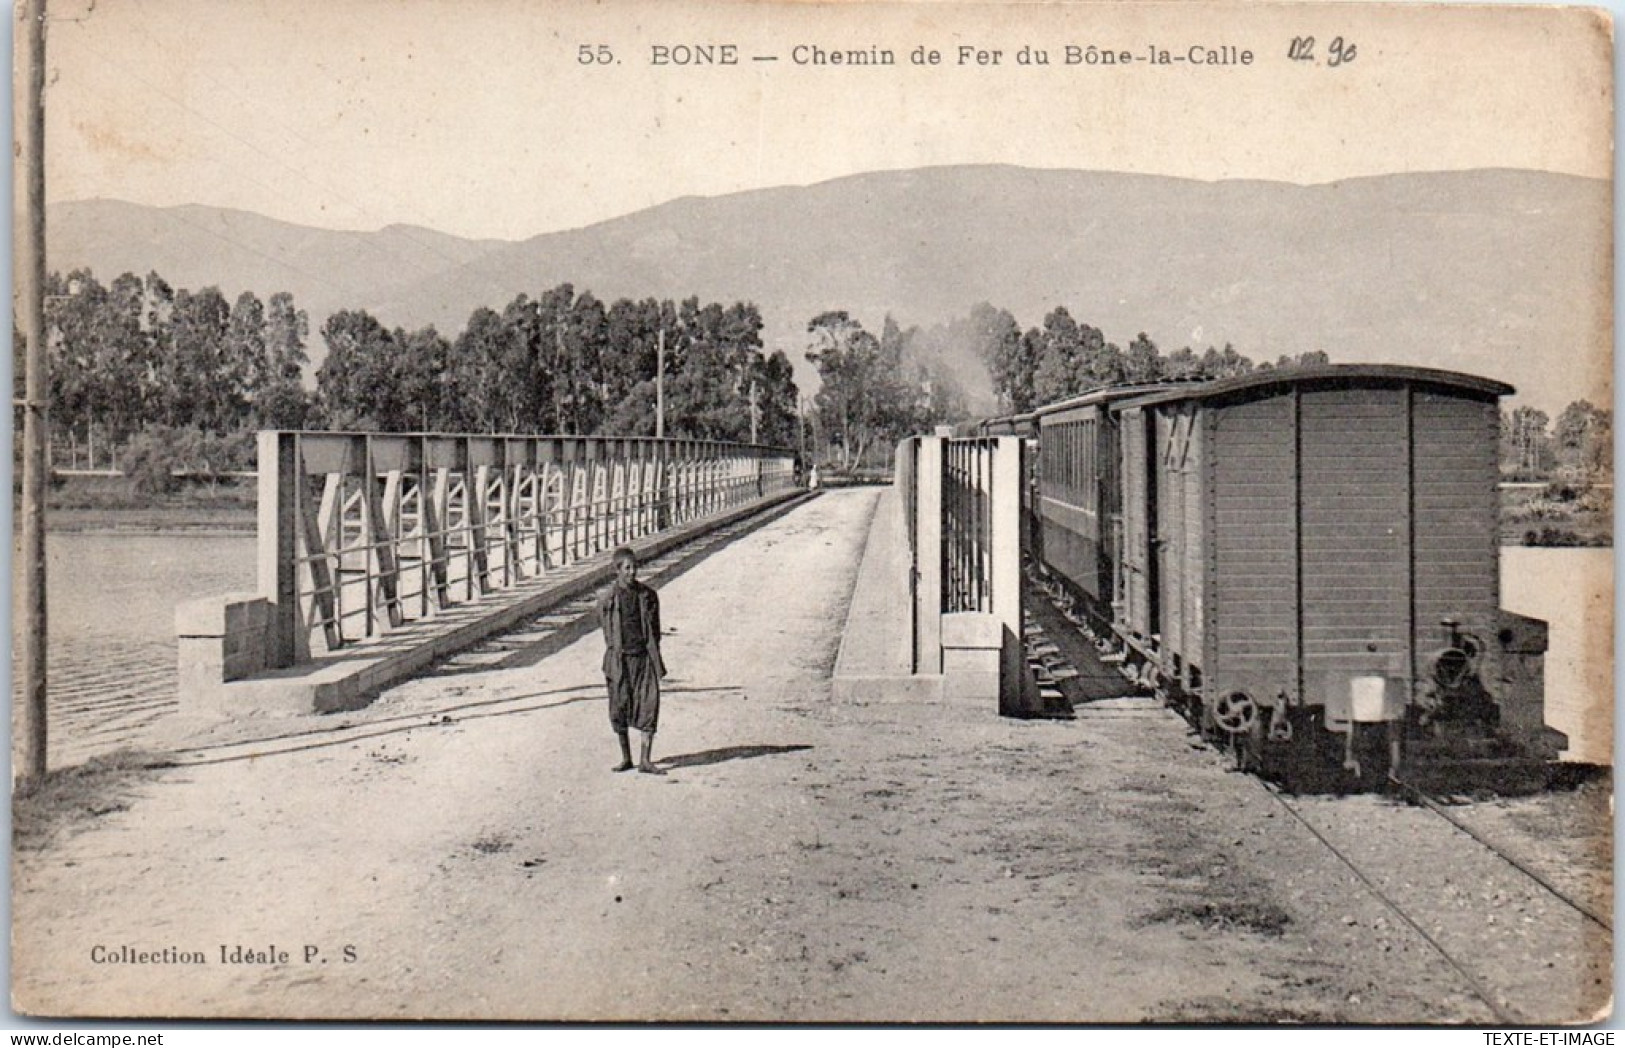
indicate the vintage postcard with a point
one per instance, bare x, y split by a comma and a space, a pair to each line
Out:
488, 571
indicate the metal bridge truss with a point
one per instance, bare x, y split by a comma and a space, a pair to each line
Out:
366, 532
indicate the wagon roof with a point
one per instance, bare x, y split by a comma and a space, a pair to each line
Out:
1328, 374
1105, 394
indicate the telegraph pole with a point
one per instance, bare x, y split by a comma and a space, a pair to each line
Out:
29, 769
660, 383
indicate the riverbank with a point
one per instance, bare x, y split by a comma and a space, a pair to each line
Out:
155, 519
1551, 516
111, 504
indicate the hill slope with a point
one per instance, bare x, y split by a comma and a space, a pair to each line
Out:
1481, 271
195, 246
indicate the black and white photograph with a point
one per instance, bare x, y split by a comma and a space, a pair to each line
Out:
741, 512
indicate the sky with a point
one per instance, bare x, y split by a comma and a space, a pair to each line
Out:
480, 119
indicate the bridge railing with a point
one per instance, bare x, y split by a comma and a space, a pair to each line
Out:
961, 504
969, 581
360, 533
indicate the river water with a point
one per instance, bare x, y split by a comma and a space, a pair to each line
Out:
112, 618
111, 610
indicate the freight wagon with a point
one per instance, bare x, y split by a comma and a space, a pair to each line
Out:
1306, 560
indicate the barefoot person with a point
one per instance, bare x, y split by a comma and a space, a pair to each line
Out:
629, 613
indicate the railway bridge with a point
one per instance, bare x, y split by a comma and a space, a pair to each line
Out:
382, 554
847, 831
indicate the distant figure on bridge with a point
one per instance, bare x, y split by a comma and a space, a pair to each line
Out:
629, 613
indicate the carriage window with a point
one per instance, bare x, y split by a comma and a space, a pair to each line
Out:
1068, 466
1071, 462
1094, 467
1087, 493
1071, 458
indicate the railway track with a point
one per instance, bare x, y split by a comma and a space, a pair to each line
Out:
1489, 917
1494, 920
534, 639
1434, 804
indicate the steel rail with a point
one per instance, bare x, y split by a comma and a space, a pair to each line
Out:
1416, 795
1483, 993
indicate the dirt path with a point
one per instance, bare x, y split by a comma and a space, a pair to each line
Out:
802, 860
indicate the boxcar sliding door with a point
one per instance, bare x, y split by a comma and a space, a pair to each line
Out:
1139, 524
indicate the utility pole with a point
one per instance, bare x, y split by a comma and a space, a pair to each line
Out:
558, 398
755, 412
660, 384
31, 737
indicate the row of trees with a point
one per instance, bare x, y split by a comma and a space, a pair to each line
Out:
1063, 357
138, 354
878, 388
875, 390
1579, 445
563, 362
141, 357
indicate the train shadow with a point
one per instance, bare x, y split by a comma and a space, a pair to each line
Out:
1446, 783
1091, 679
1572, 775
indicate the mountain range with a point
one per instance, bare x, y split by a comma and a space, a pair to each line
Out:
1505, 273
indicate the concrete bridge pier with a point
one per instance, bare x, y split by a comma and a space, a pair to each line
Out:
937, 611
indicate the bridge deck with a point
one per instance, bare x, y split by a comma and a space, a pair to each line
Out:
352, 676
874, 660
802, 860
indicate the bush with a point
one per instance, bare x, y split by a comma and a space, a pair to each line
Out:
1596, 500
155, 456
215, 456
159, 460
1560, 537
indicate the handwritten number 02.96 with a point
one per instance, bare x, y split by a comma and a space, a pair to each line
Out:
1338, 53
